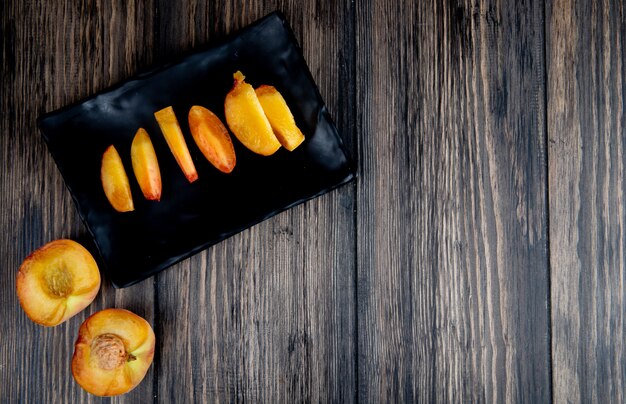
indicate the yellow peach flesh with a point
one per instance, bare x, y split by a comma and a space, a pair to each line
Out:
246, 119
176, 141
57, 281
115, 181
212, 138
113, 352
280, 117
146, 165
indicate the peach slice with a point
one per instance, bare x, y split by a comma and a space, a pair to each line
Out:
212, 138
176, 142
115, 181
246, 118
146, 166
57, 281
280, 117
113, 352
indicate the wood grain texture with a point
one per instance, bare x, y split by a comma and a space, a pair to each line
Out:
451, 206
267, 315
53, 55
429, 279
587, 133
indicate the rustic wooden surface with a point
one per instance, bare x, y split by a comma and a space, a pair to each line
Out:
587, 135
478, 257
451, 209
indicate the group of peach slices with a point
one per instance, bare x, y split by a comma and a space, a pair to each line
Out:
260, 119
115, 347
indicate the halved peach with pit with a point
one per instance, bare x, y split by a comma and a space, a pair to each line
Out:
246, 119
113, 352
146, 165
115, 181
57, 281
212, 138
280, 117
176, 142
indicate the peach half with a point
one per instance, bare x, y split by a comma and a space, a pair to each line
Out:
246, 119
280, 117
57, 281
176, 142
113, 352
146, 165
115, 181
212, 138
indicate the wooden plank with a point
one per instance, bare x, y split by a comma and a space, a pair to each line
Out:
267, 315
451, 203
587, 132
54, 54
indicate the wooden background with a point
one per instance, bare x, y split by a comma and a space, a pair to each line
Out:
479, 257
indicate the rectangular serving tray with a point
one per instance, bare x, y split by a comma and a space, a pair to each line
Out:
192, 217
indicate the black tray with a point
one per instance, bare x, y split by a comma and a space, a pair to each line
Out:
191, 217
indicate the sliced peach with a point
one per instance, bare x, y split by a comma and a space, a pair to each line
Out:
280, 117
113, 352
246, 118
212, 138
57, 281
176, 142
146, 166
115, 181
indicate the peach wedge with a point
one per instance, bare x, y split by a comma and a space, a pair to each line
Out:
176, 142
115, 181
146, 166
212, 138
57, 281
246, 118
113, 352
280, 117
